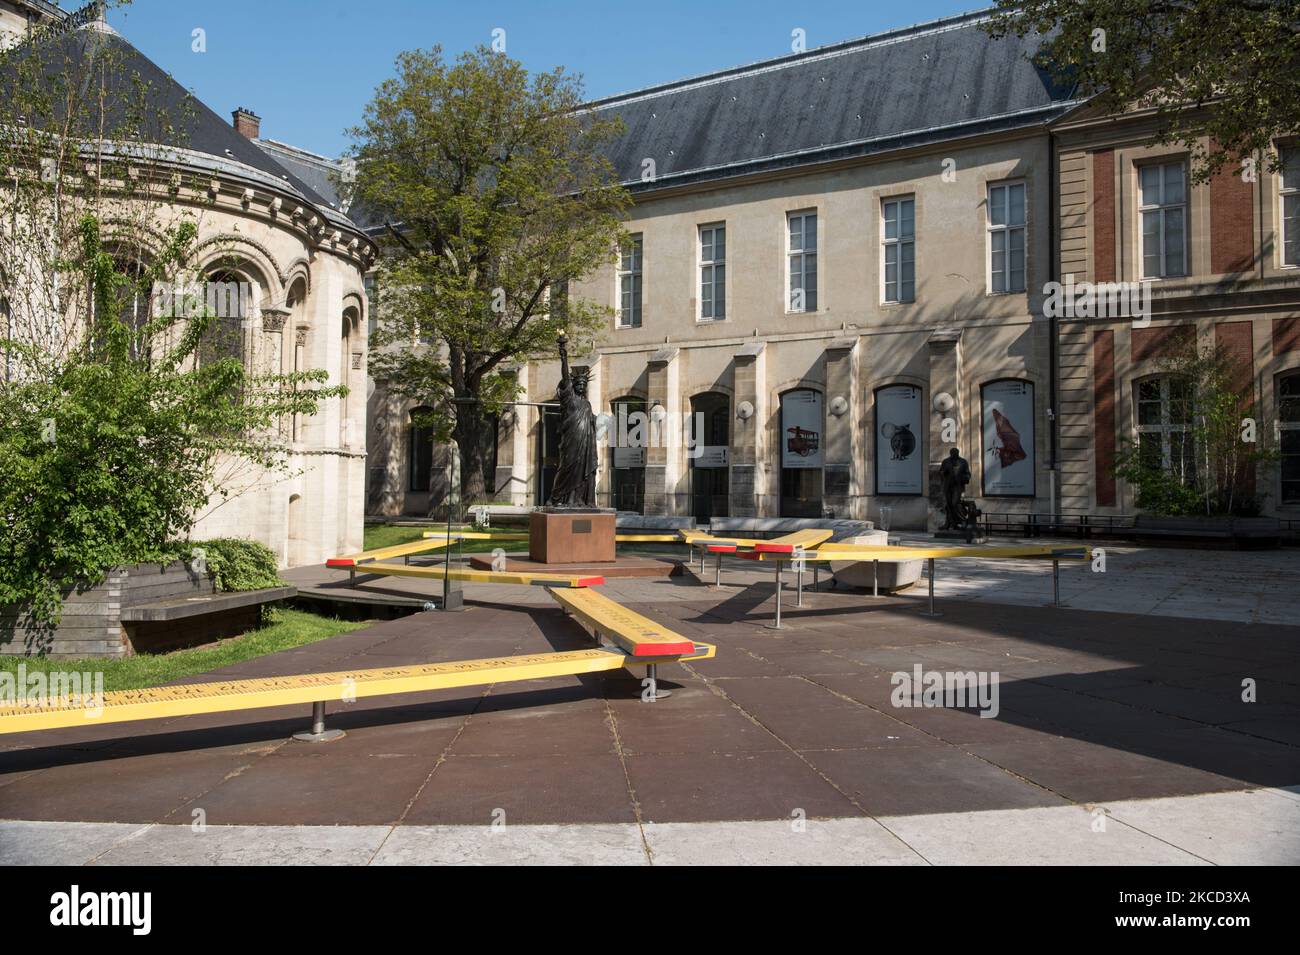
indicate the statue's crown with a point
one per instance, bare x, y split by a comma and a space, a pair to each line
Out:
580, 372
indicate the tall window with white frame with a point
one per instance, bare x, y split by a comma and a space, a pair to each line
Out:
1291, 205
898, 218
713, 272
629, 283
802, 253
1164, 420
1007, 237
1163, 188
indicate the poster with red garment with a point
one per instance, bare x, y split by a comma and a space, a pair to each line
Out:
1008, 463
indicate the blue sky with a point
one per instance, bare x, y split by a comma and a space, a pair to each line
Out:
308, 67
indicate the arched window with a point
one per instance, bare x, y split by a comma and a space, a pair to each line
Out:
351, 323
1288, 417
711, 455
801, 453
227, 297
631, 426
1163, 406
419, 450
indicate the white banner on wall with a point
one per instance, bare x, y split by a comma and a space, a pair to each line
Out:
801, 429
900, 465
710, 456
1008, 438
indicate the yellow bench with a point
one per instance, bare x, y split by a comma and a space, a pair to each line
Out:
639, 641
382, 569
842, 552
643, 640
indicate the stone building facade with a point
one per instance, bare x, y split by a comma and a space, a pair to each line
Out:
840, 268
839, 265
1230, 278
267, 216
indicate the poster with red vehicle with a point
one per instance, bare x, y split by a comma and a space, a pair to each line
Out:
801, 429
1008, 462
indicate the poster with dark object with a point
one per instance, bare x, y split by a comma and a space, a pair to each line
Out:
1008, 463
900, 465
801, 429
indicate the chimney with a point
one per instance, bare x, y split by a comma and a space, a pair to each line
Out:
247, 123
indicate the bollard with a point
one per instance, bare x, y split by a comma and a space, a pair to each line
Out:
932, 612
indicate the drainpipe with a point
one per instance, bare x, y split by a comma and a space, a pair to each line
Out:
1054, 329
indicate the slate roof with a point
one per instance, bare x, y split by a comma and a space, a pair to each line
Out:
907, 87
202, 133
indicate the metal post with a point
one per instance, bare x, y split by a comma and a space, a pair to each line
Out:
816, 568
777, 626
352, 577
702, 550
318, 733
717, 573
875, 578
653, 693
798, 593
1056, 582
932, 612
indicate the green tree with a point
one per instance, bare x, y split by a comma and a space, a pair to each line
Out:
1223, 442
116, 408
498, 194
1229, 69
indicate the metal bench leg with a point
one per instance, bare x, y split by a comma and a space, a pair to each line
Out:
932, 612
318, 732
816, 575
352, 578
653, 693
875, 578
777, 625
702, 552
717, 572
1056, 582
798, 590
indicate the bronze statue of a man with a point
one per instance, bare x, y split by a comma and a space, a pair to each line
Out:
575, 474
954, 475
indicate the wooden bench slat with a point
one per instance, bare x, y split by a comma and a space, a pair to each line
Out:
383, 553
639, 636
481, 576
223, 696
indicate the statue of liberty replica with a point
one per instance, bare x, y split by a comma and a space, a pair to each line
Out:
575, 475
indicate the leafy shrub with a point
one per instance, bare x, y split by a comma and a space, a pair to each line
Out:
239, 564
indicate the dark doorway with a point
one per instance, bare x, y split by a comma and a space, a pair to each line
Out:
800, 453
631, 434
710, 469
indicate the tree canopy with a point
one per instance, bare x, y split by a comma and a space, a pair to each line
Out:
497, 194
1227, 70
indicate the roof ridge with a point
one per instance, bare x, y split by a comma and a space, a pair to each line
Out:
297, 151
838, 48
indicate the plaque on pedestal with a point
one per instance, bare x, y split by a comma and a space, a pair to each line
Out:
571, 535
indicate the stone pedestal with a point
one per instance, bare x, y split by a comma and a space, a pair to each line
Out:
571, 536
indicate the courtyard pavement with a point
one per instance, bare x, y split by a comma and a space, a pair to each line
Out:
1121, 735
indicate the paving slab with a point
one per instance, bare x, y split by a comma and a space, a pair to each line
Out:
246, 845
796, 842
59, 843
1064, 836
514, 845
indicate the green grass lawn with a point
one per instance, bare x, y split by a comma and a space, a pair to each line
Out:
387, 535
285, 629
